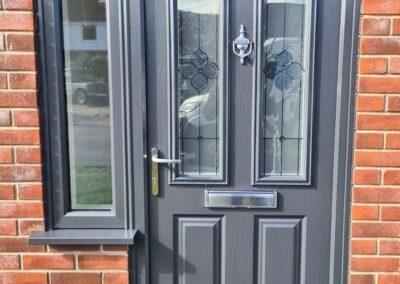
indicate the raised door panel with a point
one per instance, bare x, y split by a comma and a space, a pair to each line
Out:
199, 244
279, 249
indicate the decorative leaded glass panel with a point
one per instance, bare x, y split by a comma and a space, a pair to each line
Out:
283, 103
199, 89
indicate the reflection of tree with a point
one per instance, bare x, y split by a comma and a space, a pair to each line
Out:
95, 63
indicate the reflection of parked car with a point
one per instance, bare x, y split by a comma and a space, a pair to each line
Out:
198, 111
84, 87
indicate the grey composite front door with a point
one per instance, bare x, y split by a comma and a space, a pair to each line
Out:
247, 197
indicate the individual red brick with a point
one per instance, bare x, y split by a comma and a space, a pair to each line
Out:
379, 159
396, 26
379, 84
75, 278
392, 141
363, 247
390, 213
26, 5
59, 262
389, 247
374, 264
370, 65
394, 103
18, 42
20, 173
13, 244
26, 227
18, 99
123, 248
21, 209
369, 140
378, 122
394, 66
62, 248
375, 230
17, 62
366, 177
16, 22
376, 195
388, 279
20, 137
9, 262
102, 262
384, 7
26, 117
375, 26
23, 277
379, 46
6, 155
361, 212
23, 81
2, 41
361, 279
370, 103
8, 227
5, 119
116, 278
28, 155
3, 80
391, 177
7, 192
30, 191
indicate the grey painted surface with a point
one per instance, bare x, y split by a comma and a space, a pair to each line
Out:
83, 237
197, 239
310, 203
278, 245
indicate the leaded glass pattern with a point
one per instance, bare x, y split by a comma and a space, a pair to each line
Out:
198, 88
283, 130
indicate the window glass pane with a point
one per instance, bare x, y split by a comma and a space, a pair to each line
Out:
284, 94
199, 88
87, 98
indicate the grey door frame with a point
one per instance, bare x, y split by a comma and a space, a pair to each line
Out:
346, 78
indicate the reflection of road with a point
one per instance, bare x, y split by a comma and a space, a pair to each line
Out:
91, 127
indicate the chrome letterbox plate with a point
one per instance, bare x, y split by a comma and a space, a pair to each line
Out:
241, 199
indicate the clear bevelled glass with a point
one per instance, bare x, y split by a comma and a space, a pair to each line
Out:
87, 98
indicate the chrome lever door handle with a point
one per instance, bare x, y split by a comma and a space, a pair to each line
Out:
156, 159
165, 161
155, 186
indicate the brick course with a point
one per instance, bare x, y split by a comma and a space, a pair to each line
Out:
21, 189
375, 224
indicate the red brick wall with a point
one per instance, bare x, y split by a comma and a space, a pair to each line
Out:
375, 226
21, 206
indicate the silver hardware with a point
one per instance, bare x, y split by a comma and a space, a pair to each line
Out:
155, 187
241, 44
241, 199
155, 159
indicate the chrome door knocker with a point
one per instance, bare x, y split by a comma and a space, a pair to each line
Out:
242, 44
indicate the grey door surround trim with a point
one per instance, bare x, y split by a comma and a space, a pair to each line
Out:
348, 50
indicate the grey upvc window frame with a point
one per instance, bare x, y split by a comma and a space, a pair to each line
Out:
64, 226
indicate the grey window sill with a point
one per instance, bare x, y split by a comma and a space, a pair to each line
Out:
83, 237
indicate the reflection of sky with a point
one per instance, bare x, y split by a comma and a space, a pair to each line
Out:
199, 6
